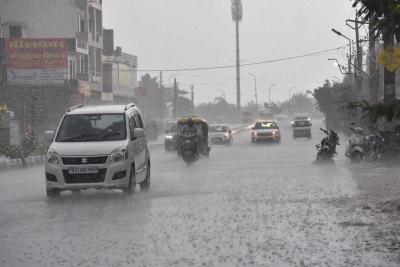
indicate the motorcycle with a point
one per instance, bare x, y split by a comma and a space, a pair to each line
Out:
188, 148
327, 147
375, 147
356, 144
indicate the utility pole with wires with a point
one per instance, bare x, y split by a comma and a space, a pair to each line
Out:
358, 62
237, 14
373, 68
192, 94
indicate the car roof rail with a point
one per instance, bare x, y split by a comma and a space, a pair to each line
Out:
75, 107
130, 105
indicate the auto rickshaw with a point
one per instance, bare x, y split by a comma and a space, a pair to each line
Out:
152, 130
202, 142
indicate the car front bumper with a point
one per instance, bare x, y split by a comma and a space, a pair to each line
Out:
273, 138
103, 179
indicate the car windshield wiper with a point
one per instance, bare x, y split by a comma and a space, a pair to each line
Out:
106, 136
78, 137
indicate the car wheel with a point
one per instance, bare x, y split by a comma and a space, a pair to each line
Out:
53, 193
145, 185
130, 190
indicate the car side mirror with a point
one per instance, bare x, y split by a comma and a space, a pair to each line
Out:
166, 131
310, 124
253, 128
138, 132
49, 135
230, 131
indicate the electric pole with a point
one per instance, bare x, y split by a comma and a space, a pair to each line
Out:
357, 73
237, 14
175, 99
373, 68
192, 93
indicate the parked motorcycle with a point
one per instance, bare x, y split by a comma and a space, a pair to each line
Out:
327, 147
375, 147
356, 144
188, 148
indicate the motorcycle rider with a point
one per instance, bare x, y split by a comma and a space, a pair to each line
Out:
189, 129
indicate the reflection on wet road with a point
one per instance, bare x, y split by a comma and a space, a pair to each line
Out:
247, 205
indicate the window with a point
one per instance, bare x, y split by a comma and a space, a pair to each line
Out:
92, 127
15, 32
265, 125
70, 69
81, 23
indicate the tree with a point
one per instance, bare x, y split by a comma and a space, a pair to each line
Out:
184, 104
28, 147
152, 105
332, 101
385, 16
299, 103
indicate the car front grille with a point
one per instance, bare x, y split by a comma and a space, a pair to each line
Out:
84, 160
84, 178
264, 134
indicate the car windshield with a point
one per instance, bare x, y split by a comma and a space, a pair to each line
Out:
301, 124
92, 127
265, 125
173, 128
216, 128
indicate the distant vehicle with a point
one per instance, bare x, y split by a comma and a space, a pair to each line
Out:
220, 134
152, 130
301, 128
101, 147
221, 120
301, 116
265, 131
248, 119
279, 117
265, 115
170, 138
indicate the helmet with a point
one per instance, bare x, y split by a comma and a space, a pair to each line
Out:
190, 122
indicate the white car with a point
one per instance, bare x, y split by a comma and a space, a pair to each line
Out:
98, 147
265, 131
220, 134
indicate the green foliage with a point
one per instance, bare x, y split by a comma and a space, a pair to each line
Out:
385, 14
299, 103
28, 147
152, 105
390, 112
332, 100
219, 108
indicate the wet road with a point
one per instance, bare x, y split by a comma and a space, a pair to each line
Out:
247, 205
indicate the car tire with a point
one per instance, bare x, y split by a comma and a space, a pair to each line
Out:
53, 193
145, 185
130, 189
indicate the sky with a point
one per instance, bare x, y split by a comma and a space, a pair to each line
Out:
171, 35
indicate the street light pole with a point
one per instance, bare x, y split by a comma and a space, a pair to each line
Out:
223, 94
169, 80
340, 34
290, 105
269, 95
255, 90
237, 14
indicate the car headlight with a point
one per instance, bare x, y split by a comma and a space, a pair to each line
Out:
168, 137
118, 155
226, 135
274, 133
53, 157
255, 133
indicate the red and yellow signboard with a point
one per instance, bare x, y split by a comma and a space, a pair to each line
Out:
37, 61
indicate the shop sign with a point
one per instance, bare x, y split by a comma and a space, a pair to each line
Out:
37, 61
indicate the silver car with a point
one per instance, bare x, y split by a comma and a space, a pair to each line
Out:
220, 134
266, 131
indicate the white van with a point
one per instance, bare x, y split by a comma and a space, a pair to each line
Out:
98, 147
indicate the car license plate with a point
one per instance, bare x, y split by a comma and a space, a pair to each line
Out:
83, 170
